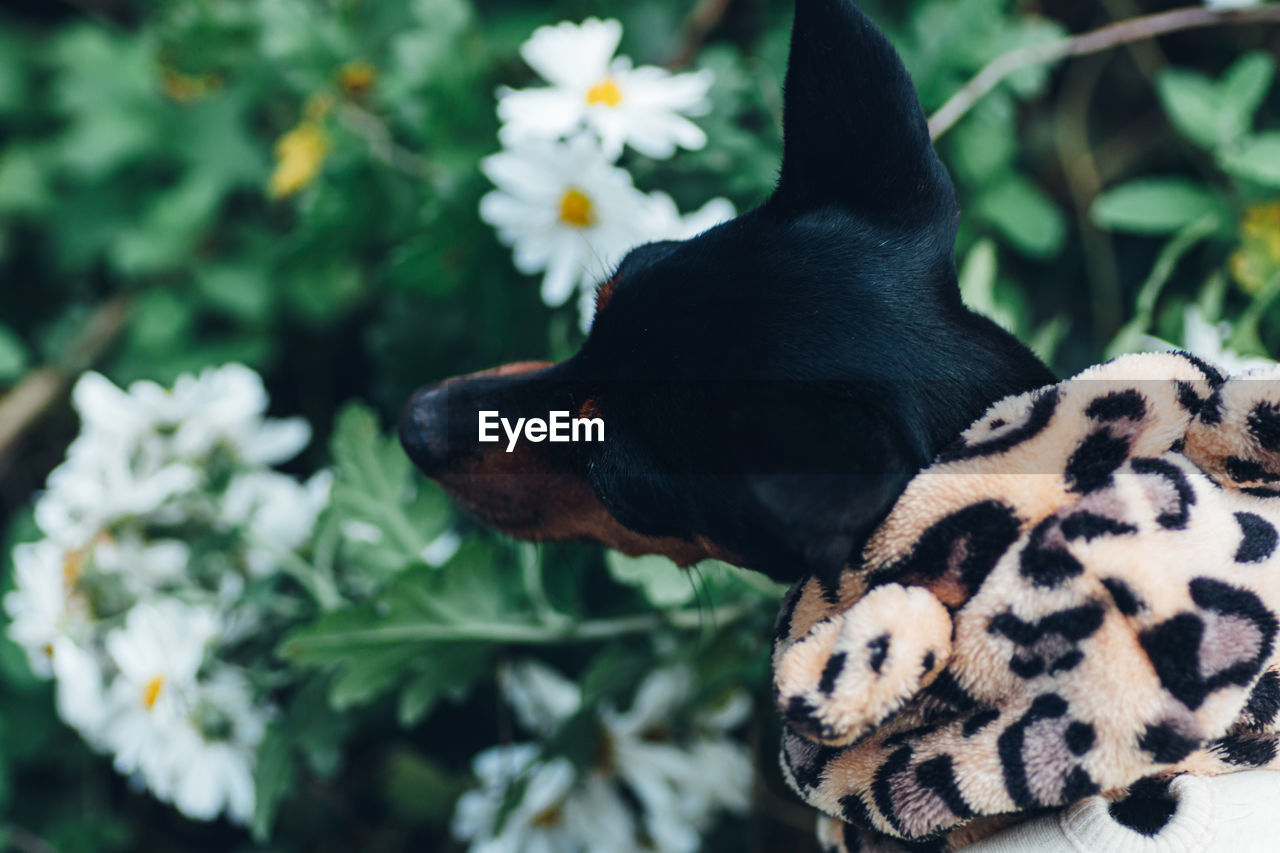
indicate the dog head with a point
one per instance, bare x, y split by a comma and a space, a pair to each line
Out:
768, 387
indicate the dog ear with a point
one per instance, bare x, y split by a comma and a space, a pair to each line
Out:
854, 132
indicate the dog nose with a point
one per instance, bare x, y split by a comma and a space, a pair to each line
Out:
424, 429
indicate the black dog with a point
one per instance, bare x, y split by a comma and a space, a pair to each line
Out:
770, 386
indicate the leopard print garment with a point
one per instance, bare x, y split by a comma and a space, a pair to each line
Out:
1079, 594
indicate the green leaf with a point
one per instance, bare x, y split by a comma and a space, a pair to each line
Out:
320, 294
614, 673
1046, 340
1191, 101
1025, 216
377, 671
419, 789
273, 779
317, 732
1257, 159
435, 627
984, 144
978, 282
1243, 88
1152, 206
387, 512
160, 320
13, 355
106, 85
448, 673
241, 290
23, 180
13, 82
424, 53
661, 581
166, 234
213, 136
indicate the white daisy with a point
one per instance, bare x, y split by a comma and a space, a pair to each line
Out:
222, 406
39, 607
215, 776
151, 690
80, 696
50, 622
157, 653
218, 743
143, 566
565, 211
276, 511
541, 697
661, 220
678, 786
103, 481
1209, 341
226, 406
106, 409
536, 824
642, 107
556, 812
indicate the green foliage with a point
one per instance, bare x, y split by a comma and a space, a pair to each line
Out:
389, 515
1256, 159
1215, 114
1153, 205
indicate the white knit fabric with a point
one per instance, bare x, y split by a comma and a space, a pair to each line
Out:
1236, 813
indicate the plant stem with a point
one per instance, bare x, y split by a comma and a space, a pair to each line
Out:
321, 587
1130, 335
23, 405
1246, 335
382, 144
703, 18
1105, 38
530, 557
528, 634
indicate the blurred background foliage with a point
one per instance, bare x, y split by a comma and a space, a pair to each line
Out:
293, 184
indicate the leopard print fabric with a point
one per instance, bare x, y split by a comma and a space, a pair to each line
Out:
1079, 594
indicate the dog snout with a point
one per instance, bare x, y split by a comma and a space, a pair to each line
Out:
424, 429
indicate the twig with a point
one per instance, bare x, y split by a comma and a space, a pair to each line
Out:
382, 145
22, 406
704, 18
1112, 35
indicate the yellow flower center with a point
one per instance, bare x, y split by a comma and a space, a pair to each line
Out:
605, 92
72, 568
188, 87
548, 819
576, 209
151, 691
357, 78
